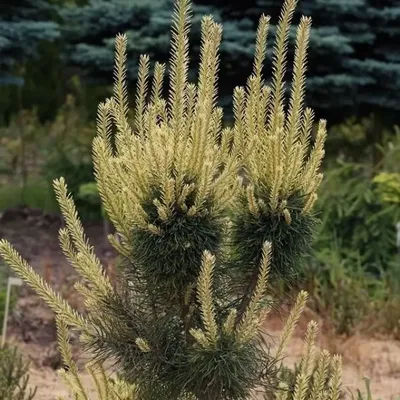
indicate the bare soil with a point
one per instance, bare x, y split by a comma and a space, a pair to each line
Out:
363, 356
32, 324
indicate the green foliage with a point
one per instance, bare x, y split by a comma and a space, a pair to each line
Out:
44, 88
354, 274
171, 269
341, 289
366, 140
36, 194
350, 141
70, 133
19, 151
147, 23
235, 368
391, 150
33, 153
23, 25
90, 36
292, 240
388, 187
363, 70
386, 302
78, 174
69, 155
356, 217
350, 298
172, 364
29, 43
14, 376
21, 158
89, 192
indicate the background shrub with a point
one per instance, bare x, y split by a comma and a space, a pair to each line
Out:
14, 376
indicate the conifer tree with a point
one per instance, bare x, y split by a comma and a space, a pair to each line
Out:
360, 38
23, 25
205, 217
90, 38
361, 77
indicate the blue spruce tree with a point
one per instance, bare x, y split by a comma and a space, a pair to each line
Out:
24, 24
90, 31
354, 57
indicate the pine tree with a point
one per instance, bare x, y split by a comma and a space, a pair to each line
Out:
205, 217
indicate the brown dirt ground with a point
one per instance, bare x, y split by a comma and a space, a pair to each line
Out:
32, 324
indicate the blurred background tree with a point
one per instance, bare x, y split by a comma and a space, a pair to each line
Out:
354, 58
28, 30
23, 25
